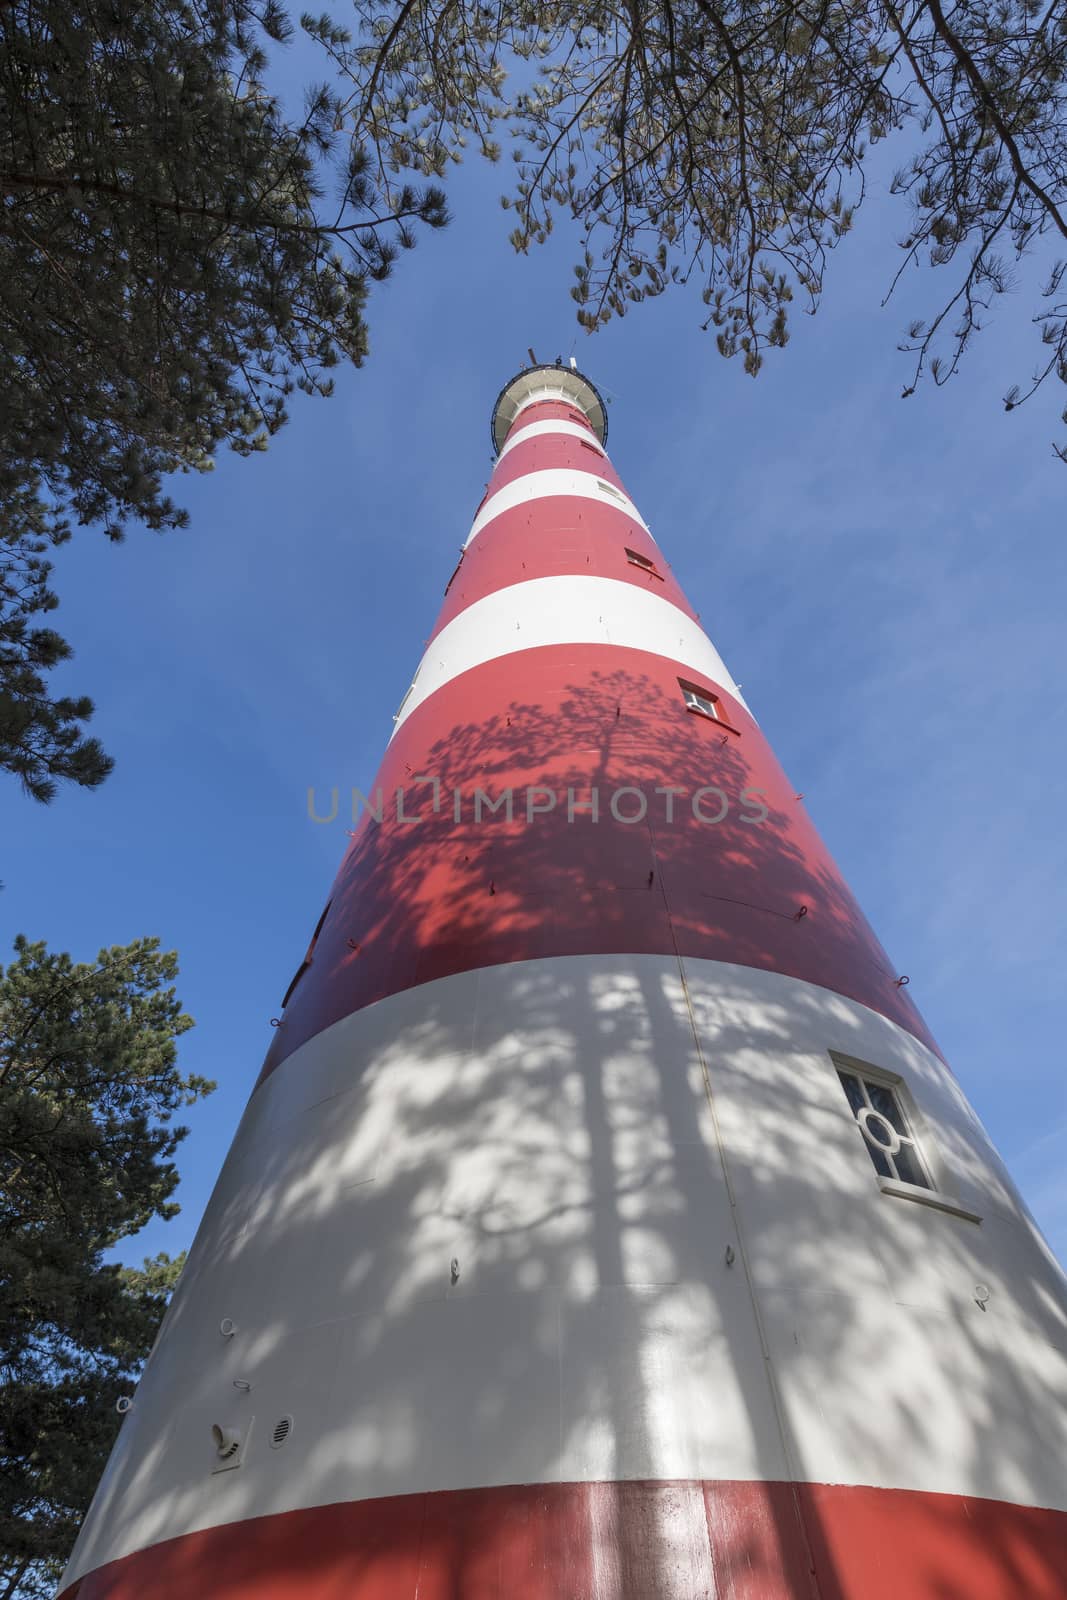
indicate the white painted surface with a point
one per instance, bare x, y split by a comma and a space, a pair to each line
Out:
554, 425
537, 384
541, 391
552, 481
547, 1124
564, 610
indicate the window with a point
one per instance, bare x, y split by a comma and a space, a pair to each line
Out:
305, 964
587, 444
636, 559
878, 1108
907, 1162
609, 488
418, 669
702, 701
452, 579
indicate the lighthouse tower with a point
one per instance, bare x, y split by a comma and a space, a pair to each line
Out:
605, 1223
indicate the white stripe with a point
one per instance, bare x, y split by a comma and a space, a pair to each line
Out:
550, 391
545, 1125
564, 610
531, 389
534, 430
553, 481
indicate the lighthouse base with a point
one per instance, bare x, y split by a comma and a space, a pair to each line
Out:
680, 1540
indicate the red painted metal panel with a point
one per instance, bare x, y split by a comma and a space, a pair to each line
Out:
541, 452
415, 901
544, 410
614, 1541
565, 534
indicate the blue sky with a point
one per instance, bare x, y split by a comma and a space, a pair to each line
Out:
887, 579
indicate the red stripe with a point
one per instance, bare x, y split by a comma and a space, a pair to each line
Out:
614, 1541
412, 903
578, 537
542, 452
546, 410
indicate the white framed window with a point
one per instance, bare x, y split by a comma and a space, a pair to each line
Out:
900, 1148
704, 704
881, 1119
701, 701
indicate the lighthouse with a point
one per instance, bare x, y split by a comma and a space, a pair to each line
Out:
605, 1223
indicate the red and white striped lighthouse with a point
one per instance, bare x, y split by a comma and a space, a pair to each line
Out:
605, 1224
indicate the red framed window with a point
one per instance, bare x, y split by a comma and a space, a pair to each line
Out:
452, 579
305, 964
704, 702
636, 559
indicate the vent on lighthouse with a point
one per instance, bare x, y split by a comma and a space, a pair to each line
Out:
280, 1432
609, 488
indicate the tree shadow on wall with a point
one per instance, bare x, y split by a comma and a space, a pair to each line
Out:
423, 899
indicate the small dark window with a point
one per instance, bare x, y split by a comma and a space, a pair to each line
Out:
452, 579
636, 559
881, 1119
609, 488
587, 445
305, 964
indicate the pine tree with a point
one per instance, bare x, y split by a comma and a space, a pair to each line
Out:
176, 257
88, 1088
41, 737
726, 142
